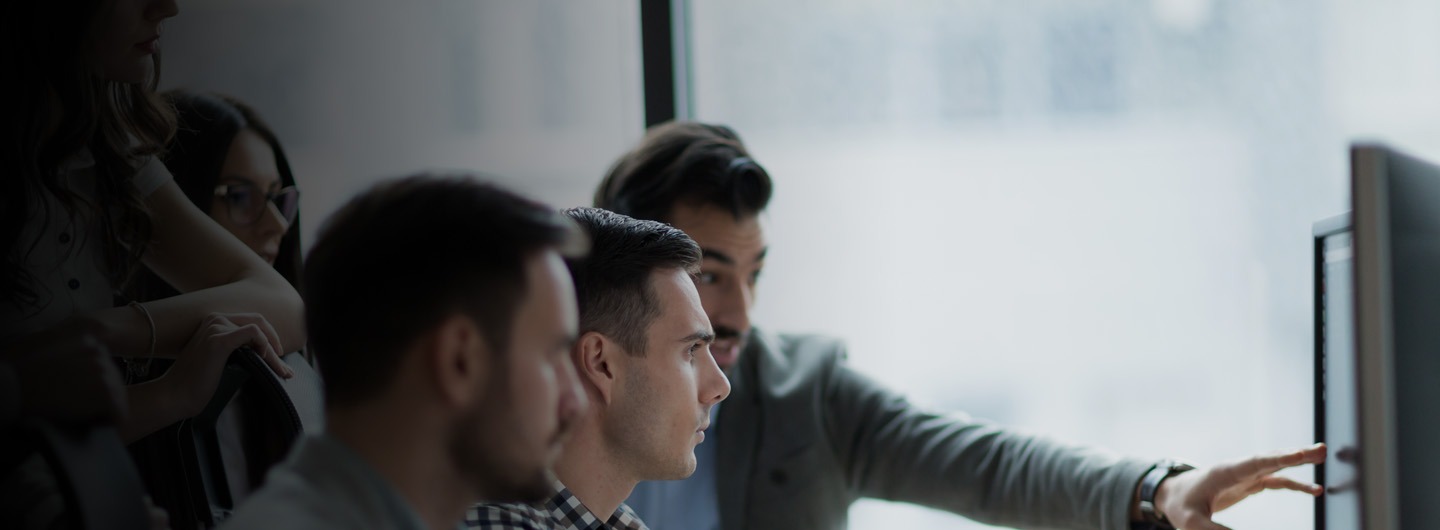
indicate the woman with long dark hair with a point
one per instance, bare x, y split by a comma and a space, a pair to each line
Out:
87, 203
84, 204
230, 164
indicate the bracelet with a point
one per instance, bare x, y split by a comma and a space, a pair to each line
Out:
135, 371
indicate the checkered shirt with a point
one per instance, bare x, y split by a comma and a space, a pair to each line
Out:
562, 512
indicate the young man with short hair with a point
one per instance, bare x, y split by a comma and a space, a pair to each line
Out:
442, 317
644, 359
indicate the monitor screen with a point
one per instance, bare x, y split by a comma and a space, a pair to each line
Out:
1339, 426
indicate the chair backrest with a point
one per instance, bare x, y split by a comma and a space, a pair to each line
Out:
186, 465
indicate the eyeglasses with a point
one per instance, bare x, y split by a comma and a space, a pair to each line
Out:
246, 203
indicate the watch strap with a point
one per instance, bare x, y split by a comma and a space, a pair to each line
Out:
1150, 485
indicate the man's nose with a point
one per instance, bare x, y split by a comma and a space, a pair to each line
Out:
714, 387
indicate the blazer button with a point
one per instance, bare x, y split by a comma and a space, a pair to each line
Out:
74, 284
779, 477
64, 238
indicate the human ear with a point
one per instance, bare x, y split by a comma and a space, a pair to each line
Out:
459, 359
594, 357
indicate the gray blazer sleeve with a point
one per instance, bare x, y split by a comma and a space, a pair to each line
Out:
892, 450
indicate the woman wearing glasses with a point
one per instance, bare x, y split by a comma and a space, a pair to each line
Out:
229, 163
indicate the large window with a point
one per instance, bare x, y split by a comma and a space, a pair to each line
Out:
1087, 219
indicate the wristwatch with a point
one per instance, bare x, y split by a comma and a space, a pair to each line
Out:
1151, 485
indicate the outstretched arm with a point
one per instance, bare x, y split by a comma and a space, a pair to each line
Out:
898, 452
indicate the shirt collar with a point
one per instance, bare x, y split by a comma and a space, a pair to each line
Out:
569, 513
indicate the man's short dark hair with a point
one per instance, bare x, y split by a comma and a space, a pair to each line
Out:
408, 253
613, 282
685, 163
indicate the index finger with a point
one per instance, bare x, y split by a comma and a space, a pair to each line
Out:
274, 338
271, 354
255, 338
1265, 465
278, 365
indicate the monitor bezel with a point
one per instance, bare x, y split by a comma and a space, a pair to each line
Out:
1374, 335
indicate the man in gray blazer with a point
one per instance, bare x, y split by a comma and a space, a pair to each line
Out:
803, 436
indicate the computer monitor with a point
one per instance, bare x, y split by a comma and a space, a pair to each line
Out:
1377, 380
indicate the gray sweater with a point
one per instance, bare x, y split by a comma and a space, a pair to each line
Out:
802, 436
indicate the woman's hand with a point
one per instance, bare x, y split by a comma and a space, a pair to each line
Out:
270, 355
192, 380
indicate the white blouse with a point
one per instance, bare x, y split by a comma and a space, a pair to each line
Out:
66, 261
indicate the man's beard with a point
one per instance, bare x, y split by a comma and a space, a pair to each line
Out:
478, 447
